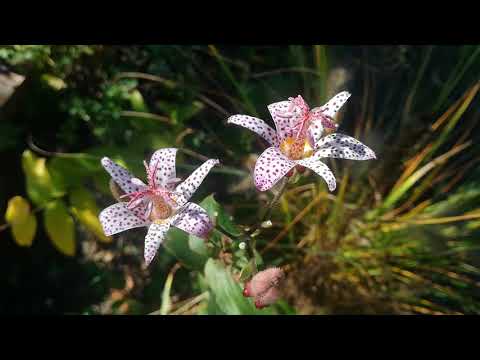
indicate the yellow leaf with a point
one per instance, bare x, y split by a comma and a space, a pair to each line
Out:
24, 232
18, 210
85, 209
60, 227
91, 222
40, 187
54, 81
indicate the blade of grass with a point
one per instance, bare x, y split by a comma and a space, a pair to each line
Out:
240, 89
321, 66
421, 72
455, 78
401, 190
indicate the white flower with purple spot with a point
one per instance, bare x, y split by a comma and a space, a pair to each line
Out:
298, 140
159, 204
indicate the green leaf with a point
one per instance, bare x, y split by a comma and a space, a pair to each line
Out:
197, 245
219, 216
166, 302
137, 101
73, 171
85, 209
177, 244
227, 292
24, 232
213, 308
40, 187
60, 227
284, 308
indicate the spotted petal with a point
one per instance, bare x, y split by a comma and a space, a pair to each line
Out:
282, 123
164, 160
156, 234
185, 190
117, 218
120, 175
270, 167
256, 125
315, 132
321, 169
193, 220
334, 104
343, 147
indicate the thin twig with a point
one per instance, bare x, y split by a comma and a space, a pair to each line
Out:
55, 153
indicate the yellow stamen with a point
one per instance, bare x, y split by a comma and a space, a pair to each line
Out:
296, 150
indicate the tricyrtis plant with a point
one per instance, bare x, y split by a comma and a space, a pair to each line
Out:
353, 237
159, 204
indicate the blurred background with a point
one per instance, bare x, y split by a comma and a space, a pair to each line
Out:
400, 235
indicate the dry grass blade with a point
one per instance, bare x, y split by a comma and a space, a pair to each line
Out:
408, 183
295, 220
145, 115
443, 220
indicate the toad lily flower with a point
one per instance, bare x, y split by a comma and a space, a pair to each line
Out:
158, 205
298, 140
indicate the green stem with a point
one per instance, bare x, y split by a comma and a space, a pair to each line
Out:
256, 231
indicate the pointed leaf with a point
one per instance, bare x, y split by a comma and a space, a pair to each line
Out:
60, 227
177, 244
227, 292
85, 209
24, 232
219, 215
18, 210
40, 187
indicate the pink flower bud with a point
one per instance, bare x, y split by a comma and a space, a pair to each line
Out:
263, 287
301, 169
267, 298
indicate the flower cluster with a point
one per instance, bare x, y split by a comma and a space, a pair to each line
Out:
297, 142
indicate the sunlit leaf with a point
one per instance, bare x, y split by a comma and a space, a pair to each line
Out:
40, 187
137, 101
18, 210
60, 227
24, 232
54, 82
85, 209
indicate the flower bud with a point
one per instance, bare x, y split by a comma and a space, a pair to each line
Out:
301, 169
263, 287
268, 298
290, 173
